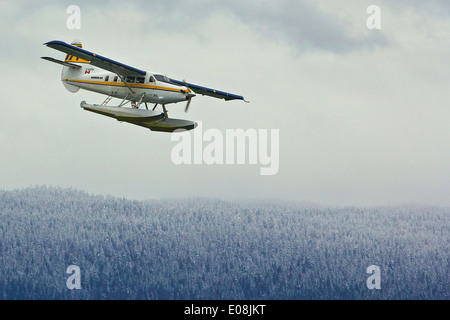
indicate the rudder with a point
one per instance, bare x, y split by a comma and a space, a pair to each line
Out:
69, 73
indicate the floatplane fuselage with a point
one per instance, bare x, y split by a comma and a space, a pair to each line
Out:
151, 88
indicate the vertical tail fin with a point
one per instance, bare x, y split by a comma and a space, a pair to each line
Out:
69, 73
73, 59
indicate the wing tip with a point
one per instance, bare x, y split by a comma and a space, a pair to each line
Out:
48, 43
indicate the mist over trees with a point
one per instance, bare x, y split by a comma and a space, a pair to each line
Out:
213, 249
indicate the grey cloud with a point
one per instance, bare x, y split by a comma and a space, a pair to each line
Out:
433, 7
305, 27
300, 24
367, 128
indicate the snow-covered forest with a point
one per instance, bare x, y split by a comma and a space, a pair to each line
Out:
213, 249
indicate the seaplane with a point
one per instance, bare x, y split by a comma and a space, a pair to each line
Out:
86, 70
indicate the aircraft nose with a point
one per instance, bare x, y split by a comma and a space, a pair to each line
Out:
189, 93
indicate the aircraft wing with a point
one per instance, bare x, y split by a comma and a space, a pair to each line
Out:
95, 59
208, 91
125, 70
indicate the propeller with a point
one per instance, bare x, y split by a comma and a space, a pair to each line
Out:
189, 95
188, 104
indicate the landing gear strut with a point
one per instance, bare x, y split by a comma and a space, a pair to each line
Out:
138, 104
165, 111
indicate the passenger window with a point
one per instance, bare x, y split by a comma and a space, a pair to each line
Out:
140, 80
115, 79
106, 78
130, 79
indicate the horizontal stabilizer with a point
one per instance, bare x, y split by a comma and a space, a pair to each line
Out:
67, 64
150, 119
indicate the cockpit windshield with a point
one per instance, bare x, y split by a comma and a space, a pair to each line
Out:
162, 78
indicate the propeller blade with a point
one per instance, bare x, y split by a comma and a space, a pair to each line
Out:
187, 105
191, 94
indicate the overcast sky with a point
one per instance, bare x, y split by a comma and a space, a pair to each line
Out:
363, 115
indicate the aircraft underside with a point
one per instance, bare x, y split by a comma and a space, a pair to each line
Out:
151, 119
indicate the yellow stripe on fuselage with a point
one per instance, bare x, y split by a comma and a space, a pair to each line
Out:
121, 84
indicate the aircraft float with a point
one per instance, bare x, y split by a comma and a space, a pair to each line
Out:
86, 70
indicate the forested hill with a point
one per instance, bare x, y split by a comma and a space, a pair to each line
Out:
211, 249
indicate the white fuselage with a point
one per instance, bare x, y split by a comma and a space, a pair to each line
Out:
152, 88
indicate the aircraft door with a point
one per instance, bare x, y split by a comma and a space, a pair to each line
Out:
114, 87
